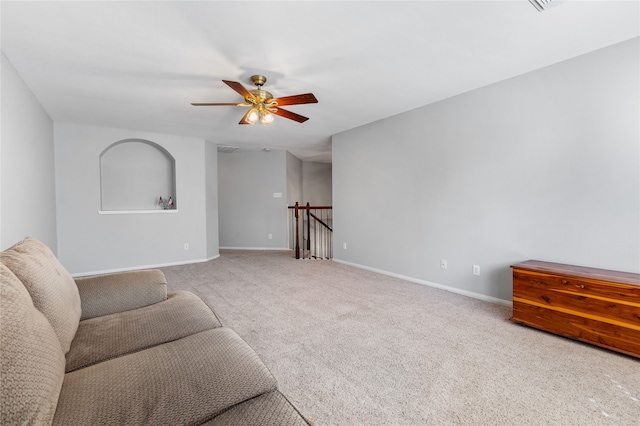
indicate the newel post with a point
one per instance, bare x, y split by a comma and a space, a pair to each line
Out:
297, 215
309, 228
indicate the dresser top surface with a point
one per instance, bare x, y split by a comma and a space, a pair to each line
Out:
579, 271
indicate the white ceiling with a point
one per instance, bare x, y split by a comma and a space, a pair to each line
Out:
138, 65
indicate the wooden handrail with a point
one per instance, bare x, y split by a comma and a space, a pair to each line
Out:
321, 222
308, 207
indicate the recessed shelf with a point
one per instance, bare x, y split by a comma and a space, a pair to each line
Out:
134, 173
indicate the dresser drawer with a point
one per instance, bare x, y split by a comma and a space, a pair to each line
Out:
585, 286
619, 302
590, 329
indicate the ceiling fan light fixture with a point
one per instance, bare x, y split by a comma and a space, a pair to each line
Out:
253, 116
266, 117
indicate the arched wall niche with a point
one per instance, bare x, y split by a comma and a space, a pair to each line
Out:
134, 173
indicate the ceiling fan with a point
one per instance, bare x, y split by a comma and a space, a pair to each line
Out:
262, 105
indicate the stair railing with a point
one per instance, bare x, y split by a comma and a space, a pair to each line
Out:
312, 224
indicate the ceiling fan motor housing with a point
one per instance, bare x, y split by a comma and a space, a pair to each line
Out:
258, 80
261, 95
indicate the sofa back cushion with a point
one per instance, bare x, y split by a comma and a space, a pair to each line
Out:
52, 289
32, 360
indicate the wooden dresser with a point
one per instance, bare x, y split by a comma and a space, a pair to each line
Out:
592, 305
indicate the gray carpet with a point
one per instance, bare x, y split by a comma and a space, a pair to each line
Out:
352, 347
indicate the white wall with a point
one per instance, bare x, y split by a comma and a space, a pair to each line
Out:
316, 183
542, 166
294, 193
248, 211
294, 179
211, 187
27, 176
89, 242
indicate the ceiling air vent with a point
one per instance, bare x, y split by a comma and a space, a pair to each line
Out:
543, 5
227, 149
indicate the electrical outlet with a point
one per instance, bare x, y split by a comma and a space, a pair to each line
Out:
344, 246
186, 246
270, 236
476, 270
443, 264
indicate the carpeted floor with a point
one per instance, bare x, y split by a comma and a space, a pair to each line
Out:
352, 347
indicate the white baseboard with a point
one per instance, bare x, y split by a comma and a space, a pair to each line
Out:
255, 248
137, 268
430, 284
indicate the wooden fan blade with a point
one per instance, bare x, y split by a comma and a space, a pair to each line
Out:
245, 117
290, 115
238, 87
214, 104
306, 98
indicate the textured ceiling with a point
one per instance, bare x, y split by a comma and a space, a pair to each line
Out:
139, 65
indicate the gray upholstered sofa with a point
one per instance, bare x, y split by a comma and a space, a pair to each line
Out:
117, 349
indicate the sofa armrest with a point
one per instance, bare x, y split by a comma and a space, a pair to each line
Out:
111, 293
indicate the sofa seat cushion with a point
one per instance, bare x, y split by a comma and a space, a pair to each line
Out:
101, 338
31, 359
269, 409
52, 289
187, 381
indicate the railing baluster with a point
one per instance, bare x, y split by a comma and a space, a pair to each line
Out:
322, 237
